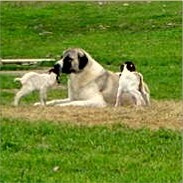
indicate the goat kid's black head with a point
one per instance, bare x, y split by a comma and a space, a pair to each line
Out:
129, 65
56, 70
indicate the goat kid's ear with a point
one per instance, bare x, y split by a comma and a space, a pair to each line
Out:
83, 60
51, 70
121, 68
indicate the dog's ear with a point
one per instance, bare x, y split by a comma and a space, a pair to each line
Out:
83, 60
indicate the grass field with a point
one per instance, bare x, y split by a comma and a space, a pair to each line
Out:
31, 151
78, 145
148, 33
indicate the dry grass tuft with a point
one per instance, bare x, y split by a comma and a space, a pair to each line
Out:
161, 114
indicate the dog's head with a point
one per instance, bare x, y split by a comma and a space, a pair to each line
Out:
129, 65
57, 71
72, 61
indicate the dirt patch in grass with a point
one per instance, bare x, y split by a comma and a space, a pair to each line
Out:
161, 114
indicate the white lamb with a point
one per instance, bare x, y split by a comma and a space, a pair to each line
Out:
131, 82
34, 81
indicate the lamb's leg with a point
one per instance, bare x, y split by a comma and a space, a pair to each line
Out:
23, 91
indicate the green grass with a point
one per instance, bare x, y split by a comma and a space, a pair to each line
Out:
147, 33
87, 154
39, 65
150, 34
7, 81
126, 33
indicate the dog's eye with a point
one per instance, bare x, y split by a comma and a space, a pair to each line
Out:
67, 59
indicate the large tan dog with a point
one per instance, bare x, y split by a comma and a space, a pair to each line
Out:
89, 83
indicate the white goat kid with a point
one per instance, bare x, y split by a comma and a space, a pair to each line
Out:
131, 82
34, 81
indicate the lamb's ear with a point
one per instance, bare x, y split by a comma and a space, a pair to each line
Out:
83, 60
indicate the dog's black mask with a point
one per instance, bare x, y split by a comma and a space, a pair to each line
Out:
129, 65
83, 60
67, 64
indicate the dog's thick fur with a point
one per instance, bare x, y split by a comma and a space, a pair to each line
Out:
89, 83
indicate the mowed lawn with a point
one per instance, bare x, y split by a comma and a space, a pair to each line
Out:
42, 150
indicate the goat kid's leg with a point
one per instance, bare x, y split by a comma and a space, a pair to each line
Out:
118, 98
146, 98
145, 94
43, 96
23, 91
138, 98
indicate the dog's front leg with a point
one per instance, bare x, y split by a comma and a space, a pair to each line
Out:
54, 102
84, 103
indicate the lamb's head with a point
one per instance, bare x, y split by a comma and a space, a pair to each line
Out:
129, 66
56, 70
